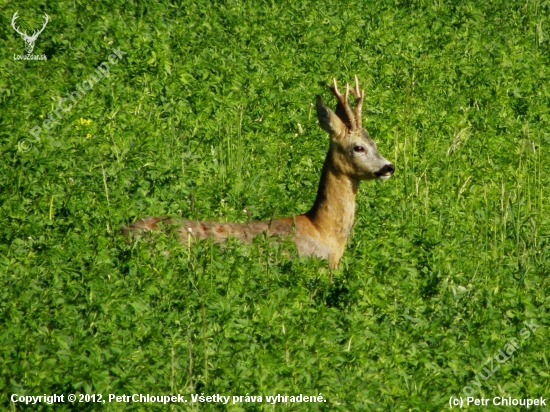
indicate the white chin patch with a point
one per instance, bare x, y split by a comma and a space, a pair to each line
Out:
385, 177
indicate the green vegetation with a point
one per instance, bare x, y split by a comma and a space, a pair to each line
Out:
210, 115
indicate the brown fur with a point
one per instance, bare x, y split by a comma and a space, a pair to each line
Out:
322, 231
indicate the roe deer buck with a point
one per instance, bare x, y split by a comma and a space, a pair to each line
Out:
324, 230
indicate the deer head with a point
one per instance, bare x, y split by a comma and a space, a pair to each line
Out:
352, 150
29, 40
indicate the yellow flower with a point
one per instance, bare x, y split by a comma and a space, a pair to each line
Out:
88, 136
82, 121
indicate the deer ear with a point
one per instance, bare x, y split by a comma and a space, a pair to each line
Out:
328, 120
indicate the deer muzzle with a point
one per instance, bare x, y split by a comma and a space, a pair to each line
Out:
385, 172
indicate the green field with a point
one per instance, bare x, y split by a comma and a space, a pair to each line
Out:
210, 115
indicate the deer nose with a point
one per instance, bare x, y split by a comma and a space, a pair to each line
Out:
386, 171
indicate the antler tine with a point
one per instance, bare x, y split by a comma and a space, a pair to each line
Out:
356, 91
15, 15
36, 33
46, 18
335, 89
359, 96
359, 109
343, 100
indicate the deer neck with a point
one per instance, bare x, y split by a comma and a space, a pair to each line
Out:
334, 209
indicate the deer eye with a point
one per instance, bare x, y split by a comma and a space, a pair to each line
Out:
359, 149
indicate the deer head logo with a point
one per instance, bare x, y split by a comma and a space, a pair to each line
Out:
29, 40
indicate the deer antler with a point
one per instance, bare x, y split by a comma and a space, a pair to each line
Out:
344, 102
359, 95
24, 34
354, 118
37, 33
